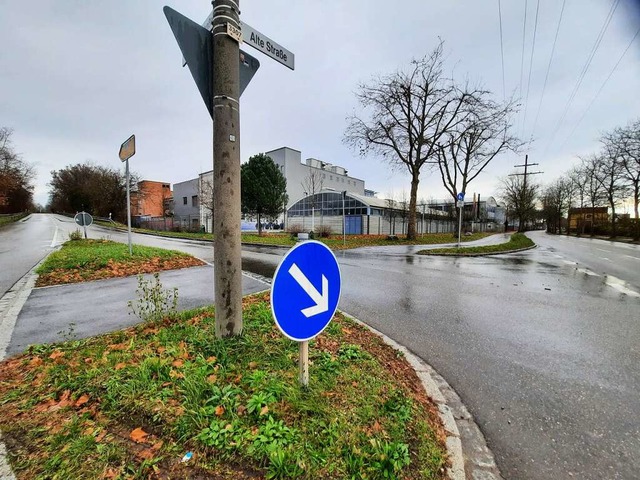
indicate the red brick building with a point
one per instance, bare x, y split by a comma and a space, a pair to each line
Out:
150, 198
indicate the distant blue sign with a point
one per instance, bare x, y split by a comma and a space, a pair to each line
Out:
461, 196
305, 290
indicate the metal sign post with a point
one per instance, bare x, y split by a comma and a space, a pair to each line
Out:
304, 296
344, 220
460, 205
84, 220
128, 150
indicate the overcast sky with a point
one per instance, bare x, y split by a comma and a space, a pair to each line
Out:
77, 78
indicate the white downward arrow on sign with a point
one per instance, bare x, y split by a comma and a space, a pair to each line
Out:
321, 299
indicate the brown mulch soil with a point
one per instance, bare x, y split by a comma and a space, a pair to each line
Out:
116, 269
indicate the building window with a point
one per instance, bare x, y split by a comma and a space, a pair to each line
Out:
184, 200
194, 201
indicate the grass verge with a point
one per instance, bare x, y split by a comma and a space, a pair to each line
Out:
6, 219
83, 260
131, 403
516, 242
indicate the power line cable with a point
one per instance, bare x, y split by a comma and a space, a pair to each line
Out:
606, 80
546, 77
533, 47
524, 31
585, 68
504, 90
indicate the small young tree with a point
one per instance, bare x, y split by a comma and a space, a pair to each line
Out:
206, 196
313, 184
391, 212
403, 209
264, 188
578, 178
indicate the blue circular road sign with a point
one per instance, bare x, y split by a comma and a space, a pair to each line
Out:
305, 290
461, 196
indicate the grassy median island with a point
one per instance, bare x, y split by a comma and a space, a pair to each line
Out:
84, 260
517, 241
131, 404
334, 241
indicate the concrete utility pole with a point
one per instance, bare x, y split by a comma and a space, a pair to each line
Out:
226, 170
526, 166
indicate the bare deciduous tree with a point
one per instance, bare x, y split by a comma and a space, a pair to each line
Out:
409, 113
555, 203
626, 142
466, 150
520, 199
16, 177
609, 174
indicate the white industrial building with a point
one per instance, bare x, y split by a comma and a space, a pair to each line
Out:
303, 179
315, 190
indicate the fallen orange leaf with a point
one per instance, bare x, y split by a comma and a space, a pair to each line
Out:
120, 366
264, 410
35, 362
137, 435
56, 354
219, 410
146, 454
82, 400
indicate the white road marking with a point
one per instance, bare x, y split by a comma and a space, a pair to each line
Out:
635, 258
621, 286
603, 250
605, 258
55, 237
568, 262
588, 272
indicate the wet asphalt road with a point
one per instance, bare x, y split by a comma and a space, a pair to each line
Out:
543, 355
542, 346
22, 245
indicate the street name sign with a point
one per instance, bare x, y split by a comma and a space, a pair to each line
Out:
261, 42
305, 290
460, 203
196, 45
128, 148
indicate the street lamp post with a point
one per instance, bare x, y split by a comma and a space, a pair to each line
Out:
344, 220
